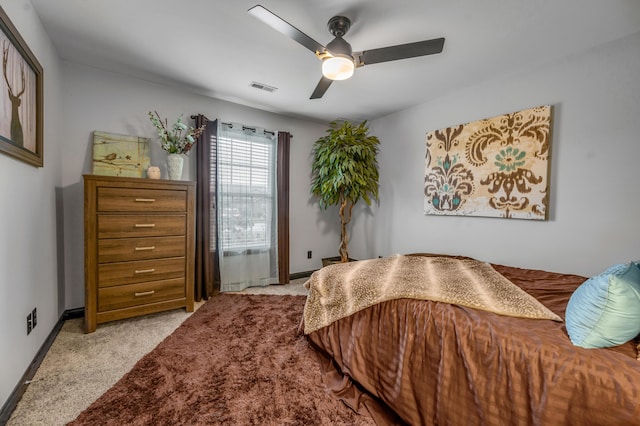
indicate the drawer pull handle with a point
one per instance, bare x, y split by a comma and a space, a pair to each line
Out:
145, 200
144, 293
145, 248
144, 271
145, 225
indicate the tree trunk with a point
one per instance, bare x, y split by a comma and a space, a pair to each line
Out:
345, 218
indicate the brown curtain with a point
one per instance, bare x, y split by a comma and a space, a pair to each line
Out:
207, 274
284, 142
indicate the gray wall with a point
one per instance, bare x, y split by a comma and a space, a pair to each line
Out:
100, 100
41, 222
594, 213
30, 209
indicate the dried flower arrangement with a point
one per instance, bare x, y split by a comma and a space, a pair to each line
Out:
177, 139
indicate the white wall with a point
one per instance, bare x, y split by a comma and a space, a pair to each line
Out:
594, 212
100, 100
28, 215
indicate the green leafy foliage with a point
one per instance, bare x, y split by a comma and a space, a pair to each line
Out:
345, 170
345, 165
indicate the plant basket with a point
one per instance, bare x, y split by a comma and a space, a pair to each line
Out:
332, 260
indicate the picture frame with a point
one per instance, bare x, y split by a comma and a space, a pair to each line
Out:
495, 167
21, 97
120, 155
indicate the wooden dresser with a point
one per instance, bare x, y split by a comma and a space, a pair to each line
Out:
138, 245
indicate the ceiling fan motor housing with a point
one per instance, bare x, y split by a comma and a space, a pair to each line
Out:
339, 25
339, 46
339, 65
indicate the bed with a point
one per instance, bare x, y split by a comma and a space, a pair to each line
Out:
403, 360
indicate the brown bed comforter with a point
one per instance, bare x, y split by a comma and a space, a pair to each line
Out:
429, 363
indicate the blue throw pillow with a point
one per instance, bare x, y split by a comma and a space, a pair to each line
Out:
605, 310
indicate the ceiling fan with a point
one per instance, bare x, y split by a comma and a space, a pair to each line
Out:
338, 60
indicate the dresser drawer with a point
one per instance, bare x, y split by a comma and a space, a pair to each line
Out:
119, 273
141, 200
138, 247
124, 226
123, 296
126, 249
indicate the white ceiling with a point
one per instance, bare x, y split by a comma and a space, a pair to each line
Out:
216, 48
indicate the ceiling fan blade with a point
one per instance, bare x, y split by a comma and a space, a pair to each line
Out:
279, 24
401, 51
322, 87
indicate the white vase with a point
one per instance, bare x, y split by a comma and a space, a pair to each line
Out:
174, 166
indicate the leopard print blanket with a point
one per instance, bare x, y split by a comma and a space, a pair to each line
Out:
340, 290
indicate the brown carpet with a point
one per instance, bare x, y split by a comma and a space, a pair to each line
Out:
238, 360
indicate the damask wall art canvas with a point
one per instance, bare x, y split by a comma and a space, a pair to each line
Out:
496, 167
120, 155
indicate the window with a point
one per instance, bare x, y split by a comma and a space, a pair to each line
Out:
246, 189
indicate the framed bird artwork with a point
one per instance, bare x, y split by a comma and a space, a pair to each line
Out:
120, 155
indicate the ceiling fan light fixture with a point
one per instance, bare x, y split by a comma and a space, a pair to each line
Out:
338, 59
339, 67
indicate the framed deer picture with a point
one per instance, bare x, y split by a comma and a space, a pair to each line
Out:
21, 105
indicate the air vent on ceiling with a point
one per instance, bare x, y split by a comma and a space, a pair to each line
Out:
264, 87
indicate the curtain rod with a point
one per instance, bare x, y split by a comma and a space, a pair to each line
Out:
253, 129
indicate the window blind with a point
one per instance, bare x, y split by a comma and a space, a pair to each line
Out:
246, 182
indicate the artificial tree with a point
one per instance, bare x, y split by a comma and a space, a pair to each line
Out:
345, 170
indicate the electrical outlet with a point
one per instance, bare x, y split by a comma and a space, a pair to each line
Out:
29, 324
34, 318
309, 254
